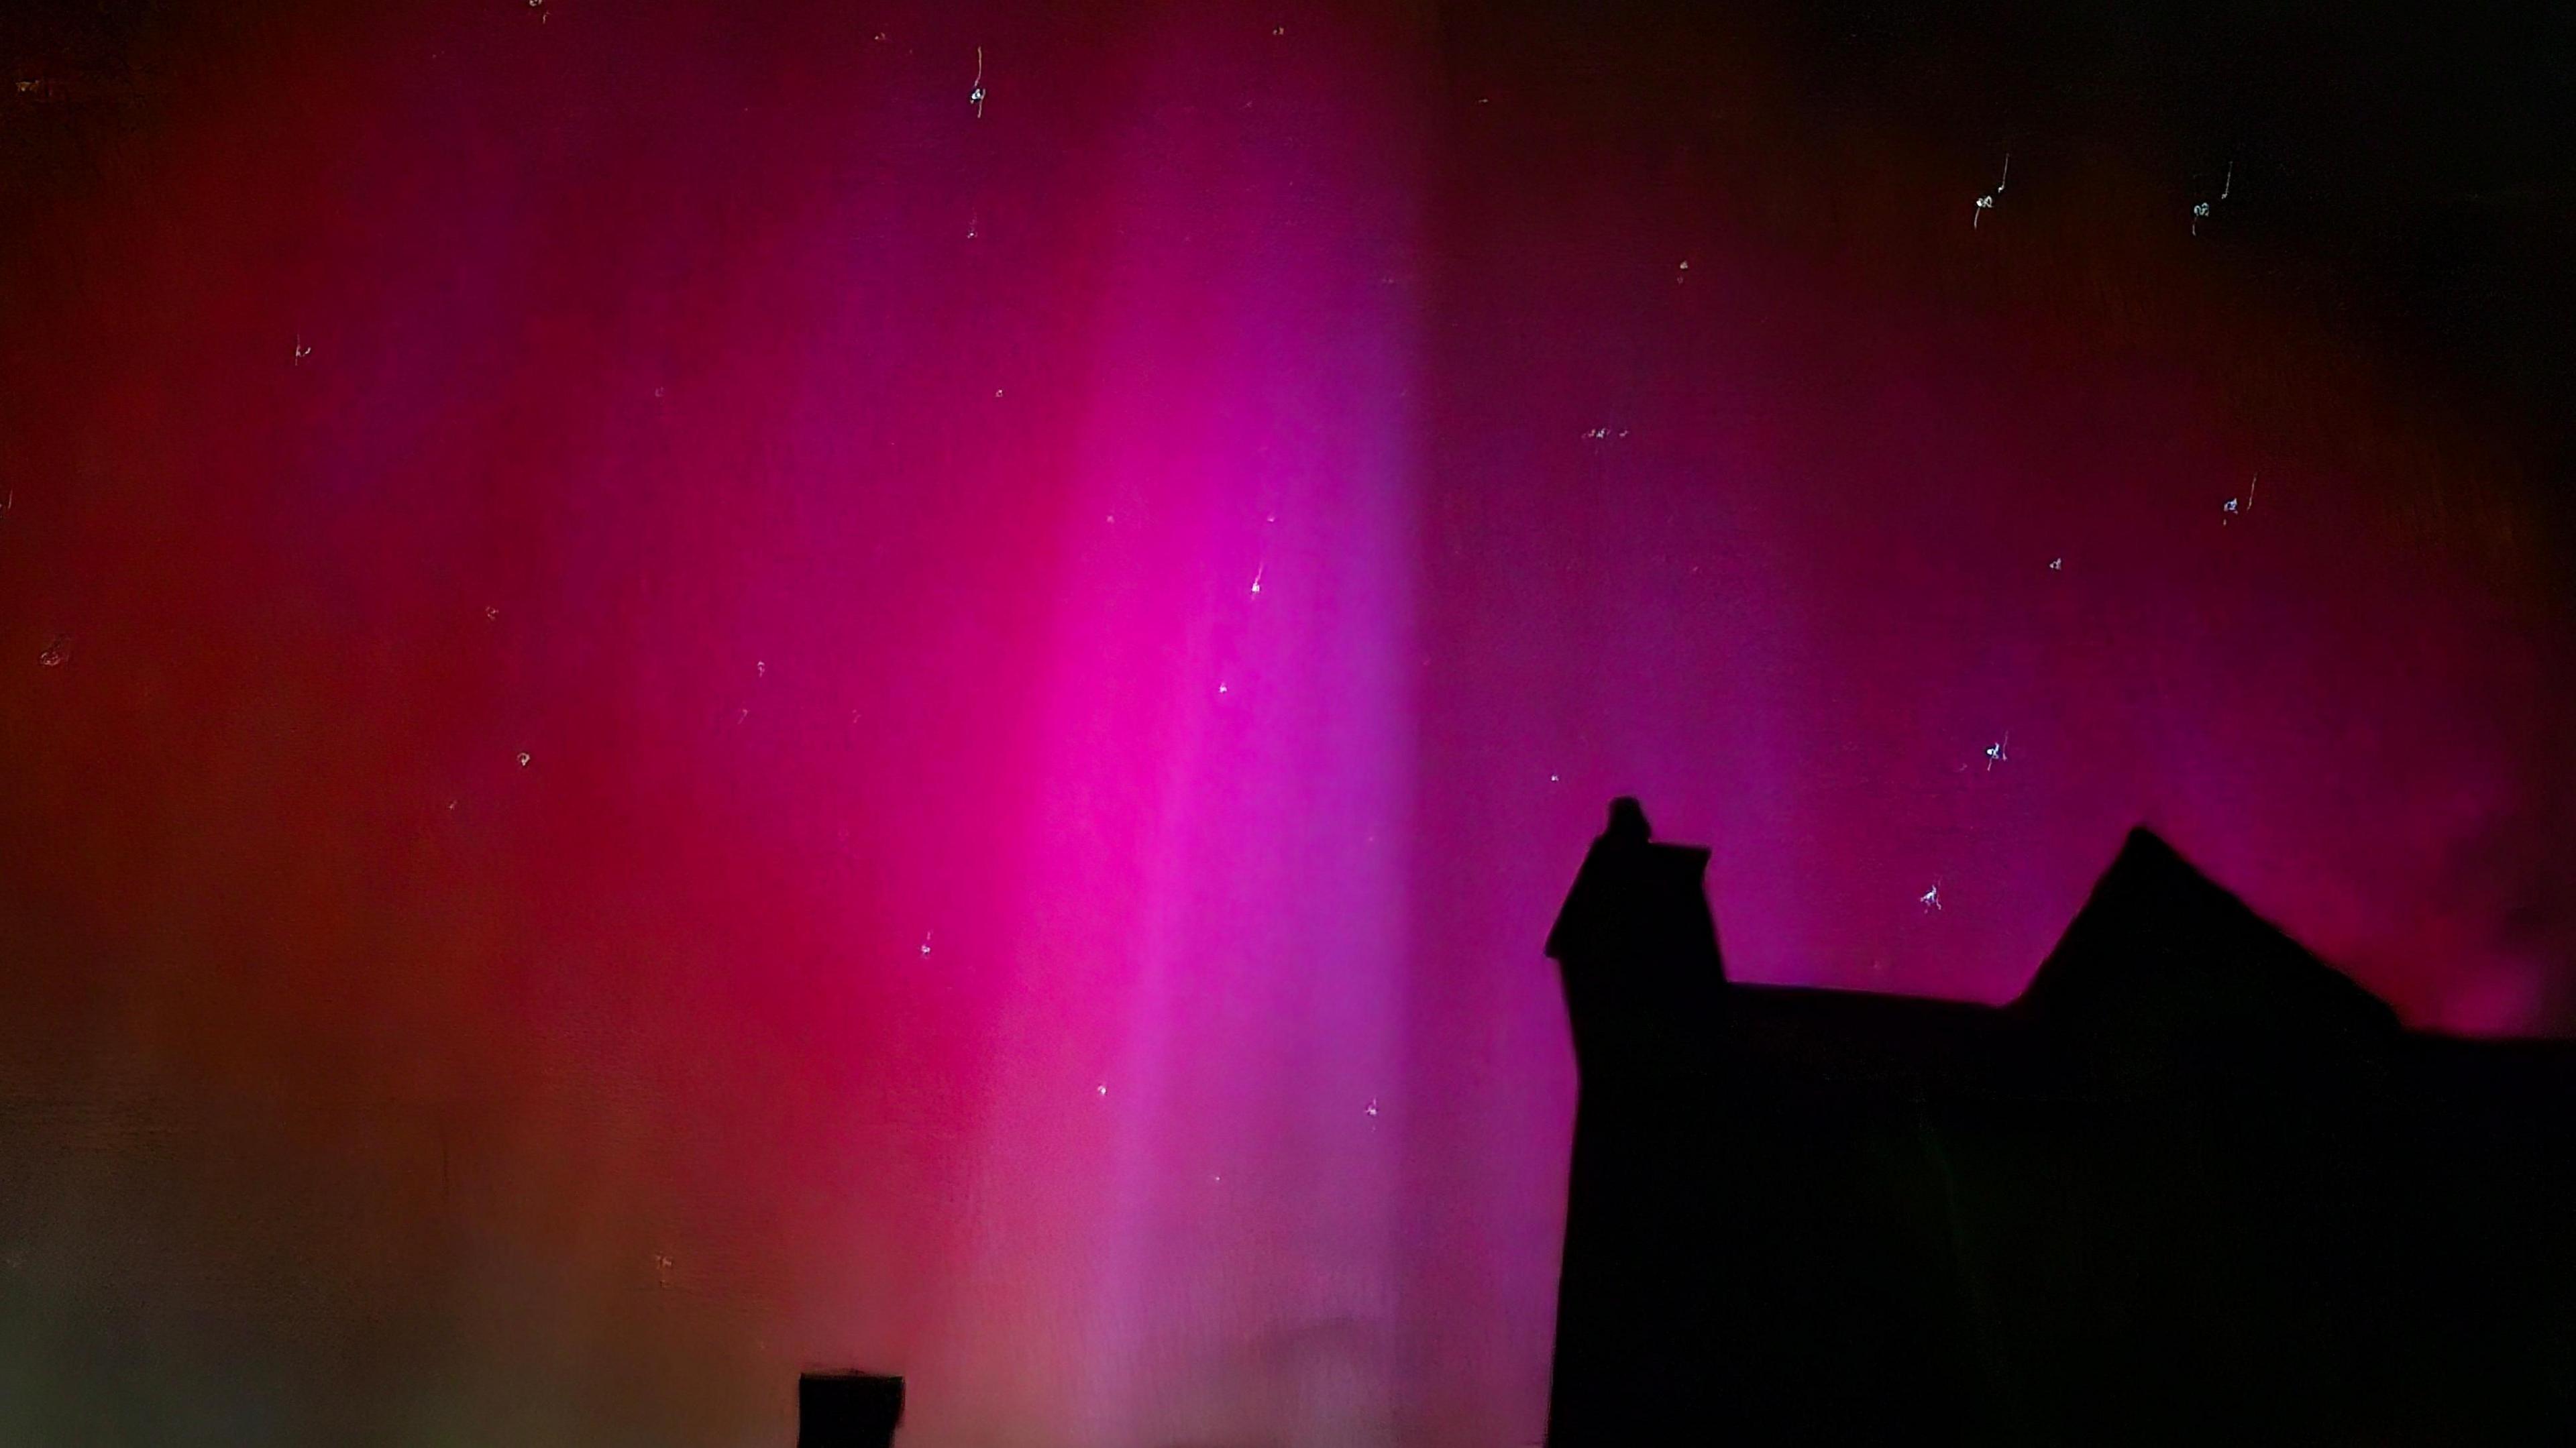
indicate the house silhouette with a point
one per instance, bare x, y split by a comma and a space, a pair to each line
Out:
2193, 1186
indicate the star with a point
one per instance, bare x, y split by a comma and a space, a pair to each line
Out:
2230, 508
1986, 202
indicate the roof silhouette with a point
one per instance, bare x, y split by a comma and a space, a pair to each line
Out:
2193, 1185
2161, 945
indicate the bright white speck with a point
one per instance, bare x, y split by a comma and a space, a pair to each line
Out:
1278, 29
491, 614
301, 351
1372, 1107
2230, 508
1220, 688
1683, 275
2057, 565
1552, 779
523, 759
1930, 899
451, 806
1986, 202
925, 943
2200, 209
976, 96
997, 392
1256, 579
760, 668
1102, 1088
55, 652
1995, 752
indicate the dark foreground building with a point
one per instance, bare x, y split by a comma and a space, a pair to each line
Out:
847, 1410
2193, 1186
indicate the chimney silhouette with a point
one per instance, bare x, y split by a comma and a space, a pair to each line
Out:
1638, 946
847, 1410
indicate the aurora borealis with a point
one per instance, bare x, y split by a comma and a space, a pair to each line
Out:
638, 747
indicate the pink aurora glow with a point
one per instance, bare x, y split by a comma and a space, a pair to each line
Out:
851, 507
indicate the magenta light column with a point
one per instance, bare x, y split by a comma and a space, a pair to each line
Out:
1183, 1213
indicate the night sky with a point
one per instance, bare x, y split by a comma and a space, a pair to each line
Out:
676, 704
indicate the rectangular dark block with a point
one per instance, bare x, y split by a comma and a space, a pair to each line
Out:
847, 1410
